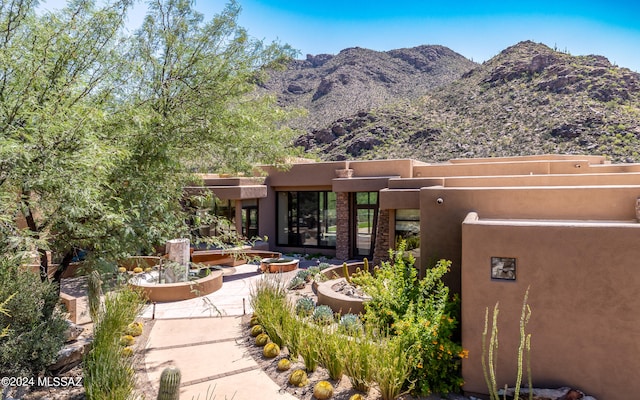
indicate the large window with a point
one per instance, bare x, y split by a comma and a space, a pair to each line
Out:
307, 219
408, 228
365, 207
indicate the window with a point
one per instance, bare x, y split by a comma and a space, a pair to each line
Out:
408, 228
306, 219
225, 210
365, 206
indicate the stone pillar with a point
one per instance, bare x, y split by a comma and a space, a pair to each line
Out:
342, 226
382, 244
178, 251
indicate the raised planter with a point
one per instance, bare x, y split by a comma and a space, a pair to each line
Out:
164, 292
339, 303
140, 261
274, 265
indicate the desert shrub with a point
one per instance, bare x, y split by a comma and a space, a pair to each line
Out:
268, 299
108, 372
421, 314
304, 274
330, 350
309, 347
391, 368
35, 334
358, 358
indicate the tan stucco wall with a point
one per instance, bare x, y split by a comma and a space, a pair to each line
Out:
583, 280
440, 224
401, 167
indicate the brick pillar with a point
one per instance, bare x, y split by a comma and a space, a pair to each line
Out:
342, 226
382, 245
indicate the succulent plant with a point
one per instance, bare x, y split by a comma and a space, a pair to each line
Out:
127, 340
356, 396
296, 283
137, 270
345, 272
284, 364
134, 329
262, 339
148, 269
271, 350
350, 323
305, 306
127, 351
304, 274
254, 321
323, 390
323, 315
256, 330
313, 271
298, 378
323, 265
170, 384
122, 269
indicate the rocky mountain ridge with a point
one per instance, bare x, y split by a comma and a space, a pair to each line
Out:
529, 99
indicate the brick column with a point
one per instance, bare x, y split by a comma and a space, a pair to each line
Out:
342, 226
382, 245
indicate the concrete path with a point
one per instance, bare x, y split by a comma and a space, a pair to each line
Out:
202, 340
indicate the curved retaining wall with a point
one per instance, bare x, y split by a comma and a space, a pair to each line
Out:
338, 302
181, 290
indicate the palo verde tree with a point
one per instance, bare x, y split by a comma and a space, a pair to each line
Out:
100, 131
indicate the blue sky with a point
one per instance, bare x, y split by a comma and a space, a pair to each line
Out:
477, 30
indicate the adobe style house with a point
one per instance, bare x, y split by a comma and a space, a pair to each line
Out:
564, 226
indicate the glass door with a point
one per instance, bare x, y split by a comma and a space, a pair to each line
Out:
364, 222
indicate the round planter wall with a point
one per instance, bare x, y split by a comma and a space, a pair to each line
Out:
163, 292
274, 265
338, 302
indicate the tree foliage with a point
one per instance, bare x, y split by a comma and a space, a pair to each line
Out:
102, 130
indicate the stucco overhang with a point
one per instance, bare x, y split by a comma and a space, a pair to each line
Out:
361, 184
231, 192
397, 199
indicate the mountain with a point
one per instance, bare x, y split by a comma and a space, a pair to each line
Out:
331, 87
529, 99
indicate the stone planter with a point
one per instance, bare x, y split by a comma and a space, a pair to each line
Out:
339, 303
274, 265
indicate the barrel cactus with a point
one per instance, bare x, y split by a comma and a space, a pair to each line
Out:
356, 396
271, 350
127, 340
323, 390
137, 270
122, 269
256, 330
298, 378
262, 339
323, 315
284, 364
127, 351
254, 321
305, 306
134, 329
170, 384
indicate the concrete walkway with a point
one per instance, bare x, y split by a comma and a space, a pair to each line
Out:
202, 340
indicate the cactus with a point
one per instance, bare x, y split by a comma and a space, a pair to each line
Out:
254, 321
323, 390
127, 351
366, 265
170, 384
94, 294
134, 329
284, 364
350, 324
323, 315
345, 272
305, 306
262, 339
137, 270
256, 330
122, 269
298, 378
271, 350
127, 340
356, 396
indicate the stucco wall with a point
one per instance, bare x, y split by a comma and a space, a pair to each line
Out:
440, 223
583, 280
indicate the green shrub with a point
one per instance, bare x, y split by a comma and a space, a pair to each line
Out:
309, 347
108, 373
420, 313
392, 368
268, 299
34, 335
358, 358
330, 350
323, 315
304, 274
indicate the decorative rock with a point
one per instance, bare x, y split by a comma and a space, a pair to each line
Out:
72, 332
70, 356
563, 393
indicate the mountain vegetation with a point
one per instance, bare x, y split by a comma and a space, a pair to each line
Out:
529, 99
